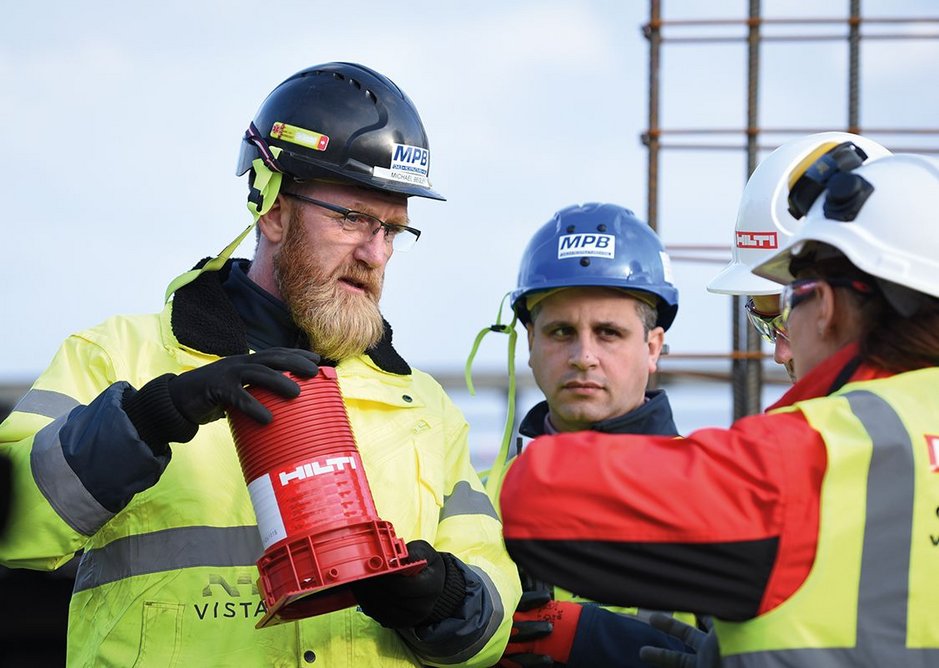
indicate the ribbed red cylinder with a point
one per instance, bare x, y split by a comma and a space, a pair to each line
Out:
318, 523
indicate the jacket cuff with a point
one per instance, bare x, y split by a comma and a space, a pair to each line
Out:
153, 414
454, 591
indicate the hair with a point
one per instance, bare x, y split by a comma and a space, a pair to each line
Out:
648, 315
889, 340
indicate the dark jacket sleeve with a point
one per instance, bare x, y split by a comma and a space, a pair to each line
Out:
605, 638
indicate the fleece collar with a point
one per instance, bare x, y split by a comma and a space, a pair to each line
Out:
653, 418
205, 318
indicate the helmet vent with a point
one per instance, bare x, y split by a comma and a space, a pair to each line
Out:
601, 228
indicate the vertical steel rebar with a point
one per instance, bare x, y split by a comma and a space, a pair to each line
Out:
854, 66
653, 34
748, 373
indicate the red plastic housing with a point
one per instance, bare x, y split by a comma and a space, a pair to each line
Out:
315, 511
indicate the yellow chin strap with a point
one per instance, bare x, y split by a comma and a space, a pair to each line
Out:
492, 477
263, 195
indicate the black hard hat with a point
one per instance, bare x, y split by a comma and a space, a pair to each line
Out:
345, 121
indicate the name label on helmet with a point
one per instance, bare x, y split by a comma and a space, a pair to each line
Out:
757, 240
587, 245
409, 164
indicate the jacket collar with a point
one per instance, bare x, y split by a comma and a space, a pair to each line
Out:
830, 375
653, 417
205, 318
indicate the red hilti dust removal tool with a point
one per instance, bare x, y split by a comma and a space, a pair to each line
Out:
315, 511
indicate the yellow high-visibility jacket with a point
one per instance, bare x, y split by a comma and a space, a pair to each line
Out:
869, 599
167, 575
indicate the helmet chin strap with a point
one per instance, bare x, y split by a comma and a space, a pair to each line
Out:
263, 194
492, 477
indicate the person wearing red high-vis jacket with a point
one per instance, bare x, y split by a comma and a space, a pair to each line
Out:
808, 532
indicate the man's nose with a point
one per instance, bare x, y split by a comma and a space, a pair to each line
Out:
374, 250
583, 355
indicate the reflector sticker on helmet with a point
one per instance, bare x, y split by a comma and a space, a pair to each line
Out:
409, 164
300, 136
757, 240
586, 245
666, 267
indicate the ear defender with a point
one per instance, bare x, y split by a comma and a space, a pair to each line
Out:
810, 177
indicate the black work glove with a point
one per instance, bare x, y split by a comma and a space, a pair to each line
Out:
705, 651
399, 601
202, 395
170, 408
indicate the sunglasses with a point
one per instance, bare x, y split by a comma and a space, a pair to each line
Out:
768, 326
803, 289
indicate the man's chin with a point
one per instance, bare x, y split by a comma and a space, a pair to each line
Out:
580, 419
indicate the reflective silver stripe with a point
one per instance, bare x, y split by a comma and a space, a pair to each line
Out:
883, 590
885, 564
168, 550
453, 652
464, 500
58, 483
45, 402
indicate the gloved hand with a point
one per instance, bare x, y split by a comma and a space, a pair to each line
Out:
170, 408
705, 654
398, 601
202, 395
543, 631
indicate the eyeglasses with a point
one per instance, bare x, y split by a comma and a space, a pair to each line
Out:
803, 289
769, 326
399, 237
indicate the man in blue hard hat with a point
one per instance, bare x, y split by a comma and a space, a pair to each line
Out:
595, 293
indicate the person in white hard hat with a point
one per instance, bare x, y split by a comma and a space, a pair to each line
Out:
765, 224
805, 531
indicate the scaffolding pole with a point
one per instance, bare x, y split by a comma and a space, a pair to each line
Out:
746, 365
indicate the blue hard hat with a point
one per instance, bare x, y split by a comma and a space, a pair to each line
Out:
597, 245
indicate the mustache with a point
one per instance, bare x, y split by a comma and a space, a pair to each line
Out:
363, 277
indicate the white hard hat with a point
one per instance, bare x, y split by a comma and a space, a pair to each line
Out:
764, 224
882, 216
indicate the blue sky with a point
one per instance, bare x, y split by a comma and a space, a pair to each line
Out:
123, 121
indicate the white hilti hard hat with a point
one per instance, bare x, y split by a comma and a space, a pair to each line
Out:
764, 222
882, 217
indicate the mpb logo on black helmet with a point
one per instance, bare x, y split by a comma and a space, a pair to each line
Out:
409, 164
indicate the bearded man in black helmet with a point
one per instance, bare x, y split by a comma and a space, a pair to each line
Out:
169, 548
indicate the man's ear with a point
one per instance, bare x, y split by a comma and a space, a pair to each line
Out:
656, 340
530, 330
273, 224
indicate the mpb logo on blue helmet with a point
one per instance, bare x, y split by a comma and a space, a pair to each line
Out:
586, 245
